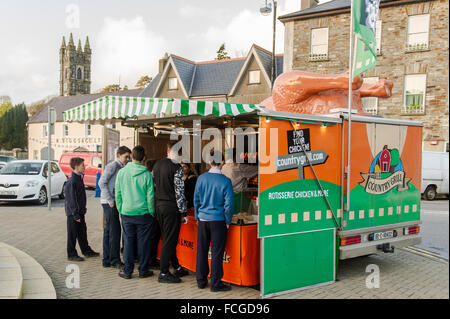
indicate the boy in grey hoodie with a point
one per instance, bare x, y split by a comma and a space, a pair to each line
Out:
112, 230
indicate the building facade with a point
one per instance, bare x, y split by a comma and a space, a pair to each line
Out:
412, 46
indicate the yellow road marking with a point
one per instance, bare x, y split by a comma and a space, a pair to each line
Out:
425, 255
425, 251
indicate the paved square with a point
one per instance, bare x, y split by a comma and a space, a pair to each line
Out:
42, 234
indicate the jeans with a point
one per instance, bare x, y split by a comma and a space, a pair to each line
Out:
111, 236
136, 228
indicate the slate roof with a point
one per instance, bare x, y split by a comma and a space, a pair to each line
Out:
266, 58
150, 89
185, 70
215, 78
63, 103
327, 6
212, 77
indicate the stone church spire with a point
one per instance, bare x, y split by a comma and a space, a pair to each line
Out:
79, 46
87, 47
71, 44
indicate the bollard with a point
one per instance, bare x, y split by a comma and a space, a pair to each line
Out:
97, 188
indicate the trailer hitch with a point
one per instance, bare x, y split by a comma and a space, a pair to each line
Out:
386, 248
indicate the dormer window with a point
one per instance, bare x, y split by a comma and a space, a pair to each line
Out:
254, 77
173, 83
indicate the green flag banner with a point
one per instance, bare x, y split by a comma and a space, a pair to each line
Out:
365, 14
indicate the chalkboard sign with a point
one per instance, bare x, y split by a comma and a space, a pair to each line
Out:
295, 138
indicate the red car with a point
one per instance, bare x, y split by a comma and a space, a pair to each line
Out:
92, 162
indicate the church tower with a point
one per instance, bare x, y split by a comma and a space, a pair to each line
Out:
75, 68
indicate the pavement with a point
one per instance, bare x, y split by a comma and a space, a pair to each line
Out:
42, 234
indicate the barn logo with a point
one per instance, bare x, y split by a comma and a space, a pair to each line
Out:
386, 173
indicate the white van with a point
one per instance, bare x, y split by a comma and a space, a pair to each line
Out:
434, 174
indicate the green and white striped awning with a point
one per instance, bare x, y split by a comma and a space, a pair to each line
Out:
123, 107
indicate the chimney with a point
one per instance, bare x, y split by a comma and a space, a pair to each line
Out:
305, 4
162, 62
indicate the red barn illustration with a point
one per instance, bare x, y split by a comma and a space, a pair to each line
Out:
385, 160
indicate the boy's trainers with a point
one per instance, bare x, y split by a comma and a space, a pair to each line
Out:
180, 272
168, 278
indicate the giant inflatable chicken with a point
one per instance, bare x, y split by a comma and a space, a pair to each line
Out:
310, 93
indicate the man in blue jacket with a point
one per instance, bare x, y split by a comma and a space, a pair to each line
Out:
75, 205
213, 202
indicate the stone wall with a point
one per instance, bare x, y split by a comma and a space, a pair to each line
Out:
393, 62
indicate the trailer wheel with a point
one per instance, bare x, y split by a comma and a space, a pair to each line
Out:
430, 192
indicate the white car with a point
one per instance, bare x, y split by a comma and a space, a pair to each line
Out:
27, 181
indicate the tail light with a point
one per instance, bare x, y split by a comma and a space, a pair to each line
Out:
411, 230
350, 240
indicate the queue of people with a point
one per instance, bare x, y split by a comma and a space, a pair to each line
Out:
144, 201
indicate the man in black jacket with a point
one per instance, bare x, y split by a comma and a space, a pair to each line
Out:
75, 205
170, 211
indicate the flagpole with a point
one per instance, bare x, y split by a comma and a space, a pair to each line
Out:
350, 80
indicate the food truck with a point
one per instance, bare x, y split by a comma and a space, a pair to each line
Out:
292, 225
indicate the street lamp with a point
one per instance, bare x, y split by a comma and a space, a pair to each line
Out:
265, 11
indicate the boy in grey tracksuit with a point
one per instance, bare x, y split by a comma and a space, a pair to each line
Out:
112, 230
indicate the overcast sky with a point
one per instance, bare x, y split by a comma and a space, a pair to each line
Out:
127, 37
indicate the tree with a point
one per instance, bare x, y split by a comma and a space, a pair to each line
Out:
5, 107
13, 127
111, 88
222, 54
35, 107
143, 82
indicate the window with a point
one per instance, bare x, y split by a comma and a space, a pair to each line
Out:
319, 44
254, 77
370, 104
173, 83
415, 85
44, 130
55, 168
418, 32
80, 73
65, 130
45, 170
96, 162
378, 36
87, 130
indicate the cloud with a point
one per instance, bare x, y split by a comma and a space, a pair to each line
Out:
125, 48
238, 33
25, 76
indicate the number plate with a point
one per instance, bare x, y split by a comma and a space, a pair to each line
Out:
7, 193
383, 235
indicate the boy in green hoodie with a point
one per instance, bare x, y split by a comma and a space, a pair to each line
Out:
134, 199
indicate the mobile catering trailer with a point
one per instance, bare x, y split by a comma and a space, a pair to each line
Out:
294, 226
